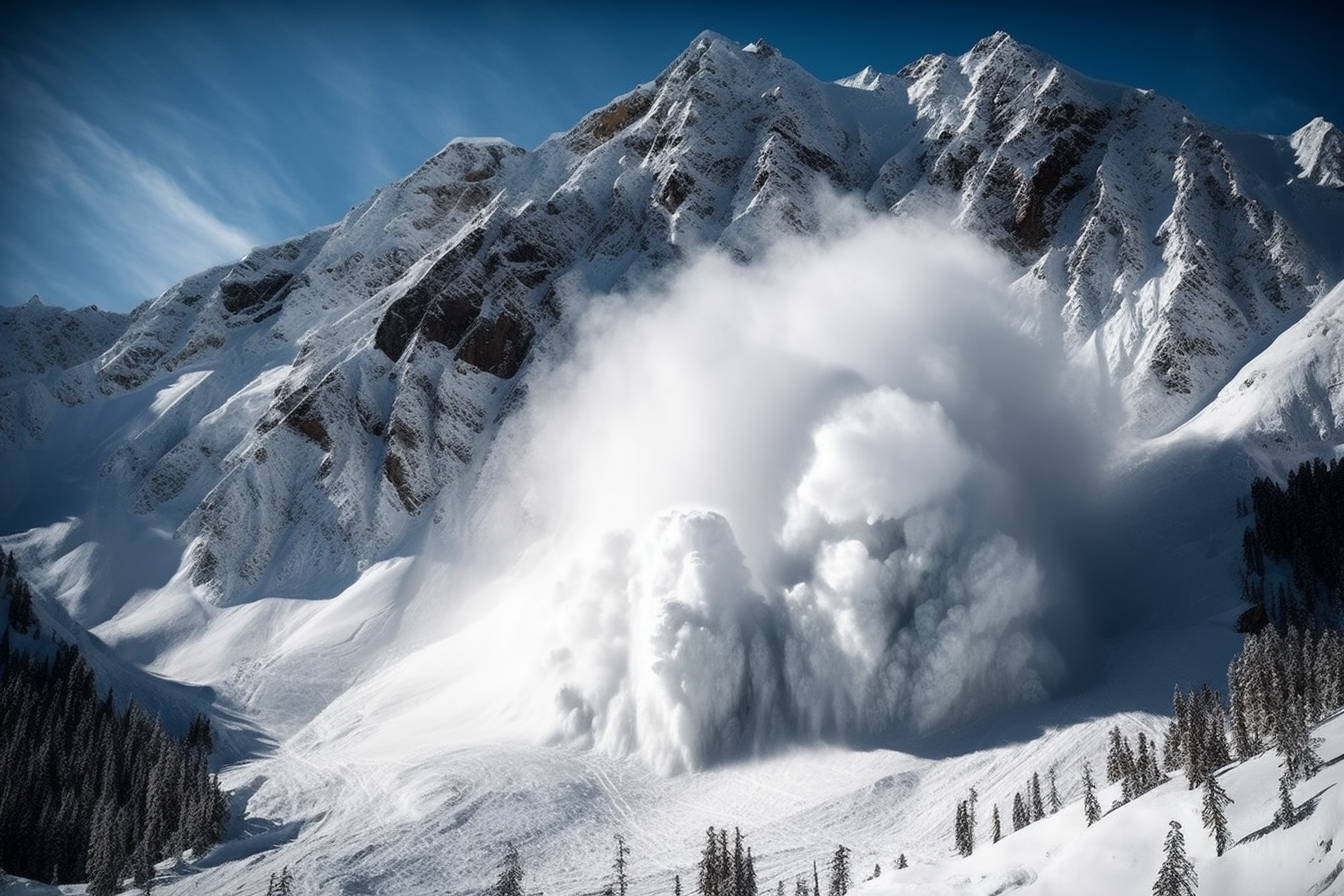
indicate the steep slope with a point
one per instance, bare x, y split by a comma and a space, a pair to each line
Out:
393, 341
753, 411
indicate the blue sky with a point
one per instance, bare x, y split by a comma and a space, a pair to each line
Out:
142, 143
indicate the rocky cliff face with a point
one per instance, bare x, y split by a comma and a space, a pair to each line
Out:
318, 396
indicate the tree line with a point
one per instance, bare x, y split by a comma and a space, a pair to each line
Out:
1293, 551
94, 789
723, 870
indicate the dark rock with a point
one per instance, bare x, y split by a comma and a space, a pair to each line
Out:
499, 346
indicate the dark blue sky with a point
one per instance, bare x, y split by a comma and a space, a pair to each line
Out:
142, 143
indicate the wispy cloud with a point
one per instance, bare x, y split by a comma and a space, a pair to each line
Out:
129, 226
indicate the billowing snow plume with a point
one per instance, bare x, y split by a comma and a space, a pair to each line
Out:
816, 496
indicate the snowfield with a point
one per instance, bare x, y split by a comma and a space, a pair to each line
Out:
761, 453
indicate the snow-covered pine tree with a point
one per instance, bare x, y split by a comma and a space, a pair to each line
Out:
960, 830
996, 827
725, 865
739, 878
1115, 769
1037, 805
1214, 815
620, 878
1171, 746
1055, 802
1091, 807
901, 862
1021, 817
1286, 815
1176, 876
708, 883
840, 874
510, 880
1141, 759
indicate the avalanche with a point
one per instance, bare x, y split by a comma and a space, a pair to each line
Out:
760, 452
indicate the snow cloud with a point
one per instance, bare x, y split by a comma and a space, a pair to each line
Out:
817, 496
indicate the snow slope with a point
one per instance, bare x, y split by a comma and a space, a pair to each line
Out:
683, 470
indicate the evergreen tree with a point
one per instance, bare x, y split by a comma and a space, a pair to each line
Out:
1214, 816
840, 875
510, 880
901, 862
970, 820
1037, 806
1294, 743
1176, 876
709, 883
1055, 803
618, 866
1091, 808
995, 827
816, 879
739, 879
1021, 817
1286, 816
104, 859
961, 830
725, 865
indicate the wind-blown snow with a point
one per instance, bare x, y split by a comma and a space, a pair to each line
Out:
813, 497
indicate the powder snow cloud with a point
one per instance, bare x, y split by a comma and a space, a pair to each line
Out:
817, 496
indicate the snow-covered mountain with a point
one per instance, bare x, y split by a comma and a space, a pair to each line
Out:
753, 411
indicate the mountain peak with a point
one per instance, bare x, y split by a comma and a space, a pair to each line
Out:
1320, 153
760, 48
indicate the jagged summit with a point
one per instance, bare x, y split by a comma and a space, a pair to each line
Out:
268, 479
1169, 252
1320, 153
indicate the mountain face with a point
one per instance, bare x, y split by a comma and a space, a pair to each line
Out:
266, 480
366, 366
286, 423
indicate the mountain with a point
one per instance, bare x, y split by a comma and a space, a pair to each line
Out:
753, 411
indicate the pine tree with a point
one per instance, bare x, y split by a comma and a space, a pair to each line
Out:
618, 866
1021, 818
1037, 806
1214, 816
970, 820
960, 830
901, 862
725, 865
1055, 803
739, 879
840, 876
510, 880
1177, 875
996, 827
1286, 816
1091, 808
708, 883
816, 879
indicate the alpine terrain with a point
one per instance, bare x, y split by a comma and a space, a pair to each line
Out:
761, 453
